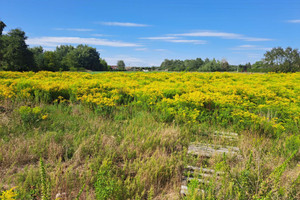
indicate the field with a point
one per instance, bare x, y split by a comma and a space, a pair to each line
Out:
125, 135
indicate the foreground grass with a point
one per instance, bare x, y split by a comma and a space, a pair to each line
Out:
71, 151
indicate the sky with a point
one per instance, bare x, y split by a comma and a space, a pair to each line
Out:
144, 33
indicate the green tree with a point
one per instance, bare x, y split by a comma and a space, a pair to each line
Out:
259, 66
121, 65
38, 55
51, 62
15, 54
283, 60
103, 64
2, 26
83, 57
61, 53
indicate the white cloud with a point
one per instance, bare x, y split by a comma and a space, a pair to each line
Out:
254, 55
160, 50
55, 41
129, 60
159, 38
253, 39
126, 24
174, 39
251, 47
188, 41
295, 21
141, 49
49, 48
247, 46
99, 35
223, 35
4, 32
74, 29
210, 34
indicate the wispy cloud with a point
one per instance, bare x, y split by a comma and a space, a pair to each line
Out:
159, 38
251, 47
210, 34
247, 46
99, 35
126, 24
74, 29
141, 49
174, 39
160, 50
55, 41
187, 41
295, 21
223, 35
129, 60
254, 55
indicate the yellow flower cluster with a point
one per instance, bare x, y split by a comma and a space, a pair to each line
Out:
265, 101
8, 194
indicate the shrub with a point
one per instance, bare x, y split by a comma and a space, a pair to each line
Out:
31, 115
106, 186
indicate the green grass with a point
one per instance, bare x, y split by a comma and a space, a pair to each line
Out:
130, 154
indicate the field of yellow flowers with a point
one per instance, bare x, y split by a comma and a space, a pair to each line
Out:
269, 103
75, 135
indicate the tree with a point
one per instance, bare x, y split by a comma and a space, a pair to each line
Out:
15, 53
61, 53
103, 64
259, 66
224, 65
283, 60
121, 65
83, 57
38, 56
2, 26
51, 62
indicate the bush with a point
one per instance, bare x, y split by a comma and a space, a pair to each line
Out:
106, 186
31, 115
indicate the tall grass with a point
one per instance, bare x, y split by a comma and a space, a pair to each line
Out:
130, 154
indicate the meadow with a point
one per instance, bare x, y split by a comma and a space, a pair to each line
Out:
125, 135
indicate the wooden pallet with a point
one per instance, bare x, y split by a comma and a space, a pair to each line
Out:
207, 150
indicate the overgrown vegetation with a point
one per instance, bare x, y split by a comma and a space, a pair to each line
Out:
131, 155
127, 138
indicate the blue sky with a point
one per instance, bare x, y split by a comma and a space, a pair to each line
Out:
144, 33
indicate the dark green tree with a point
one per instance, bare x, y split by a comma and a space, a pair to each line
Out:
2, 26
121, 65
51, 62
15, 53
103, 64
38, 55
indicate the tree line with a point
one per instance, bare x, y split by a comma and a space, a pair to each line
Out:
15, 55
198, 64
275, 60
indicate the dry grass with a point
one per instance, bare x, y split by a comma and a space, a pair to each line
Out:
146, 154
